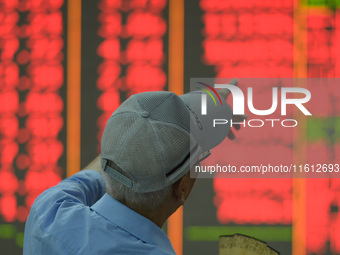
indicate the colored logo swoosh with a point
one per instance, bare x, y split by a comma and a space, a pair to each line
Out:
212, 89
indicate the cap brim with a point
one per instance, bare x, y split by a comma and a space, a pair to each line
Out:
202, 126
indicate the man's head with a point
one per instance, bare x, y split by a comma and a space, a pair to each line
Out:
148, 148
156, 205
146, 144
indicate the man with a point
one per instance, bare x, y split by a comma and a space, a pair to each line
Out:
148, 148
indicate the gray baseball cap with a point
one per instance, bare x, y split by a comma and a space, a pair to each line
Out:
153, 138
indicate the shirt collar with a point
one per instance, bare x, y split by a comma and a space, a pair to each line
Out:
132, 222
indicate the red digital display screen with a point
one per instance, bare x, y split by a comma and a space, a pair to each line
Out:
244, 39
131, 51
31, 75
257, 40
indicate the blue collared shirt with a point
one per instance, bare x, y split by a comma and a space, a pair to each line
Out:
77, 217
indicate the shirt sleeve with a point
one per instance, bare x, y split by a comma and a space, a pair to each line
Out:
85, 187
53, 206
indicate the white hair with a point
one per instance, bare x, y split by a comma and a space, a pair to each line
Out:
144, 201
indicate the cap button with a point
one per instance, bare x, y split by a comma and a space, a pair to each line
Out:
145, 114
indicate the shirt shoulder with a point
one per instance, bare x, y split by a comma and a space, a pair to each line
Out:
55, 209
63, 221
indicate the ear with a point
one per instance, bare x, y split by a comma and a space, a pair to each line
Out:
179, 190
182, 188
